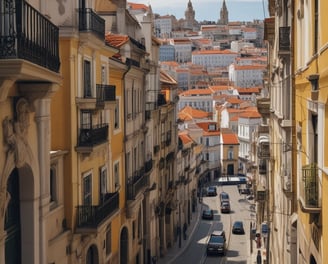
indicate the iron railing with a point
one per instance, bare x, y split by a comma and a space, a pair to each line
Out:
93, 215
136, 184
309, 191
26, 34
93, 136
105, 93
92, 22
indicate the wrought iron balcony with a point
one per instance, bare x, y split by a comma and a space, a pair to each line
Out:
156, 149
262, 166
263, 148
90, 137
132, 62
139, 182
105, 94
138, 44
309, 189
89, 21
170, 157
284, 40
26, 34
91, 216
148, 165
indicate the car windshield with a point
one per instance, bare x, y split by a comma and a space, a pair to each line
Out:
217, 239
224, 196
207, 212
238, 224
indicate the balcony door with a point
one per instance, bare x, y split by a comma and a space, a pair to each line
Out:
12, 221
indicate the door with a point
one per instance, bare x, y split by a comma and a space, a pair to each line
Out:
12, 221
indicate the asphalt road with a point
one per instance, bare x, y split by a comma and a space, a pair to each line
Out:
238, 246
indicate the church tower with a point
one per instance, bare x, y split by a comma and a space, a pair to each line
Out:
223, 15
189, 16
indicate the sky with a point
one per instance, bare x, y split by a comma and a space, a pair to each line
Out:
238, 10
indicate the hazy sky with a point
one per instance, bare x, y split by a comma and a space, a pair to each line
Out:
239, 10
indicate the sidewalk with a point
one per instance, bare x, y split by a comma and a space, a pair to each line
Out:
174, 252
253, 256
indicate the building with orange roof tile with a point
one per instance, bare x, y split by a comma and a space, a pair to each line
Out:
213, 58
229, 153
163, 26
246, 75
211, 149
182, 49
191, 115
248, 123
197, 98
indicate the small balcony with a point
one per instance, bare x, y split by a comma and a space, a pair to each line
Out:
309, 189
170, 157
89, 21
263, 147
148, 165
89, 138
106, 96
284, 40
139, 182
156, 149
27, 36
91, 216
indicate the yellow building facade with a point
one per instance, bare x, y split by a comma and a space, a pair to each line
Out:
311, 80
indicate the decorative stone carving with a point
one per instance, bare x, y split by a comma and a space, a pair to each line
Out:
18, 149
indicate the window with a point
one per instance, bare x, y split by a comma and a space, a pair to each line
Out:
102, 183
87, 79
103, 74
53, 184
108, 240
316, 26
86, 119
87, 189
230, 153
117, 114
117, 175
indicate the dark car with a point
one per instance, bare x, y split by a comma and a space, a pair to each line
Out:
224, 197
216, 244
211, 191
238, 228
208, 214
225, 207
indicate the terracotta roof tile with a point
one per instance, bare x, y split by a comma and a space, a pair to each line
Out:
116, 40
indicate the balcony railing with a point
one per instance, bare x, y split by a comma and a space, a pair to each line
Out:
105, 93
137, 44
26, 34
90, 137
137, 184
284, 39
90, 216
309, 191
148, 165
89, 21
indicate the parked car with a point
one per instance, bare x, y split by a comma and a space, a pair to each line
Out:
208, 214
238, 228
224, 197
216, 244
211, 191
225, 207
